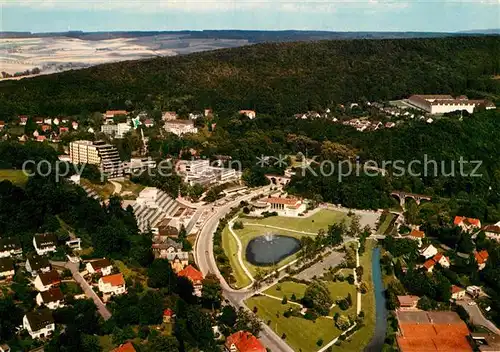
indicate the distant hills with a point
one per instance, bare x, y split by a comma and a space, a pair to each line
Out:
253, 36
275, 78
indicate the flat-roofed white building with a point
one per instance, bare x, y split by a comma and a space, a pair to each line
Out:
180, 127
441, 104
105, 156
116, 131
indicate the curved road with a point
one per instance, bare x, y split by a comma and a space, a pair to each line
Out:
207, 264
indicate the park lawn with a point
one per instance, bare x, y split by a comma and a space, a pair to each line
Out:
301, 334
320, 220
231, 249
130, 188
385, 224
17, 177
287, 288
360, 339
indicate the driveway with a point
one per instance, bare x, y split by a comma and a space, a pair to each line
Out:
87, 289
477, 317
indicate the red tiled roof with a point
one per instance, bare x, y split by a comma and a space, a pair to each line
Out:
126, 347
116, 112
481, 257
456, 289
114, 280
168, 312
492, 228
245, 342
406, 301
461, 219
285, 201
191, 273
438, 257
429, 264
417, 233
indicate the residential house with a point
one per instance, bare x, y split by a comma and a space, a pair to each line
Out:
63, 130
7, 270
474, 291
37, 264
195, 276
417, 235
47, 121
56, 121
429, 265
148, 123
112, 284
126, 347
492, 231
45, 281
467, 224
438, 258
243, 341
39, 121
208, 112
99, 266
112, 113
41, 138
23, 120
457, 292
248, 113
428, 251
45, 243
52, 298
172, 251
74, 125
10, 247
169, 116
40, 324
2, 125
408, 302
481, 258
168, 314
46, 128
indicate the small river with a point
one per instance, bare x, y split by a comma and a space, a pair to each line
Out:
377, 341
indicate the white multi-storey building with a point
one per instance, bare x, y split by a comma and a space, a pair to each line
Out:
116, 131
103, 155
441, 104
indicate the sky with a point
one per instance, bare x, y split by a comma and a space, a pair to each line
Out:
337, 15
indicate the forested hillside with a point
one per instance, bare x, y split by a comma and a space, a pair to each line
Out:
279, 79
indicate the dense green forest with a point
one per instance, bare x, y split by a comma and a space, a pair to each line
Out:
275, 78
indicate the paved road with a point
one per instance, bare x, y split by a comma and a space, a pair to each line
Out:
207, 264
87, 289
477, 317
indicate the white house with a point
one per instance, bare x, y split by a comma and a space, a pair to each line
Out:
37, 264
10, 247
7, 270
429, 251
285, 206
99, 266
45, 281
112, 284
442, 260
40, 324
457, 292
180, 127
492, 231
52, 298
45, 243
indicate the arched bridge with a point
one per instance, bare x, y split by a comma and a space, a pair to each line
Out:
401, 195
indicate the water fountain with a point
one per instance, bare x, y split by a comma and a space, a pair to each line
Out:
269, 249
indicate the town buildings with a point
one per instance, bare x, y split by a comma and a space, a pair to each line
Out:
440, 104
199, 171
104, 156
112, 284
151, 207
481, 258
7, 269
46, 280
137, 165
467, 224
180, 127
39, 324
10, 247
492, 231
243, 341
408, 302
172, 251
457, 292
45, 243
116, 130
417, 235
52, 298
99, 266
195, 276
36, 264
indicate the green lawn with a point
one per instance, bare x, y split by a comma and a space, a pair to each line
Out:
287, 288
314, 223
106, 342
231, 249
301, 334
17, 177
104, 191
130, 189
362, 337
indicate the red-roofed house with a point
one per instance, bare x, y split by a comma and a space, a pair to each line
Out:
248, 113
112, 284
41, 138
417, 235
63, 129
492, 231
45, 128
113, 113
195, 276
467, 224
23, 119
429, 265
442, 260
243, 341
408, 302
2, 125
168, 314
126, 347
149, 123
457, 292
481, 258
